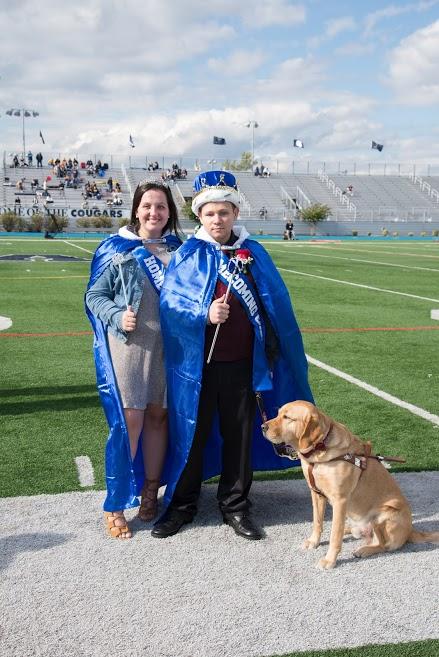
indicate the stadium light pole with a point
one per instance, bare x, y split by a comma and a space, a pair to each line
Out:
25, 113
252, 125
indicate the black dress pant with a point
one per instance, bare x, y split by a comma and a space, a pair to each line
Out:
226, 388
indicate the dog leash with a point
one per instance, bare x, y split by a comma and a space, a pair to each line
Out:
286, 451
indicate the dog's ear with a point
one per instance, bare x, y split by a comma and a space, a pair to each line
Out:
315, 427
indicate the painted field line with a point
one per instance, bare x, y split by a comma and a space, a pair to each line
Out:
86, 473
361, 250
369, 328
77, 247
39, 278
366, 287
55, 334
369, 262
425, 415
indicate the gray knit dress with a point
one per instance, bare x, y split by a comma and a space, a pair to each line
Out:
138, 363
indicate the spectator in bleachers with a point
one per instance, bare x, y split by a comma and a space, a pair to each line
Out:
39, 159
17, 200
34, 183
257, 172
110, 184
15, 162
117, 187
29, 158
263, 212
116, 197
266, 172
20, 185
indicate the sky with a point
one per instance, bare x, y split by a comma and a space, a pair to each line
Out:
174, 73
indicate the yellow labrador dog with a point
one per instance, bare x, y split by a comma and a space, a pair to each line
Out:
339, 468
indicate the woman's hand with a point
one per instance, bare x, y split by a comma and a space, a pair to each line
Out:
128, 320
219, 311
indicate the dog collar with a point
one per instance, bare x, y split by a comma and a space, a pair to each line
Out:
320, 447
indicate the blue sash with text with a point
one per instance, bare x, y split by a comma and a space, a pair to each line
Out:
244, 291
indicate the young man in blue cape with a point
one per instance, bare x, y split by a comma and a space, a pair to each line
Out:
211, 405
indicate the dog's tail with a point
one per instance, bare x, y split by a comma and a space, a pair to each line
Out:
423, 537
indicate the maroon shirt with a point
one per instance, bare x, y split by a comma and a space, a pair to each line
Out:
235, 336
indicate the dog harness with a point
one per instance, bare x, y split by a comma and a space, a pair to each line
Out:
357, 460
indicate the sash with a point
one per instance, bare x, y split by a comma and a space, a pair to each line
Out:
151, 265
246, 294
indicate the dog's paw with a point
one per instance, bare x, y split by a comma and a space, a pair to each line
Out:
325, 564
361, 552
310, 544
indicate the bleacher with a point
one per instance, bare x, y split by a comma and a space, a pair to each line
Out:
375, 199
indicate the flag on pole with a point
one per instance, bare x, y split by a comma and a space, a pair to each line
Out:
219, 141
42, 138
377, 147
132, 142
298, 143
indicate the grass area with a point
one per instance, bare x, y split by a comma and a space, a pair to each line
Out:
412, 649
51, 410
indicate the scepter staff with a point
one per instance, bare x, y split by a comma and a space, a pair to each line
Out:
236, 260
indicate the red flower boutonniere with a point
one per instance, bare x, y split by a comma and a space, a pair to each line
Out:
244, 257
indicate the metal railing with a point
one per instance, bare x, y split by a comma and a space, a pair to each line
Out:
424, 186
338, 193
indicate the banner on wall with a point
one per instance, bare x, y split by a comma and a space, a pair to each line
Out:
71, 213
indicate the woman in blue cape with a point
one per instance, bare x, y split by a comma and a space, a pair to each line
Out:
259, 349
122, 303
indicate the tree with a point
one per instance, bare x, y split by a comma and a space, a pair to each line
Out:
186, 209
244, 164
313, 214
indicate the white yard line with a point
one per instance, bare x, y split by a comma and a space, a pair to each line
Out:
78, 247
366, 287
342, 247
86, 473
434, 419
369, 262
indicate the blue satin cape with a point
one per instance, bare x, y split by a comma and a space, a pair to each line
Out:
184, 302
124, 477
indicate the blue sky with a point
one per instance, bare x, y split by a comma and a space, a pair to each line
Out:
173, 74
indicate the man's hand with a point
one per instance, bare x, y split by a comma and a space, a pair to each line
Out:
219, 311
129, 320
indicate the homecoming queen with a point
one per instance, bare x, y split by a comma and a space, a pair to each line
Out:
122, 303
221, 277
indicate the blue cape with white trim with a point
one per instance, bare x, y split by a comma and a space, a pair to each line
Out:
184, 302
124, 477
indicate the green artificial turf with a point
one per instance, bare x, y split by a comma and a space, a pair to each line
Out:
428, 648
51, 412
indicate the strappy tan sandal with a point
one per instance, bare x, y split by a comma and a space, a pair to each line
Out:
116, 524
148, 500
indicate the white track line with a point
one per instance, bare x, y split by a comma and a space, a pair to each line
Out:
78, 247
369, 262
366, 287
86, 473
434, 419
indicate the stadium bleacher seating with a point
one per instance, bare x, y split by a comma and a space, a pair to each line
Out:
375, 199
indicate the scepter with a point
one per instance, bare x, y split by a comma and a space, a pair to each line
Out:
240, 260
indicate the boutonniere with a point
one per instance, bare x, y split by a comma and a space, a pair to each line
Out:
244, 258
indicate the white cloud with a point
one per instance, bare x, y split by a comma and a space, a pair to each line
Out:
337, 25
265, 13
390, 11
237, 63
333, 28
414, 67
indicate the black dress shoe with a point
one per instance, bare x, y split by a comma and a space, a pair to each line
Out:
243, 526
170, 524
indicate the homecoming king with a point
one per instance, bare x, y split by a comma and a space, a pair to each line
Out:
222, 278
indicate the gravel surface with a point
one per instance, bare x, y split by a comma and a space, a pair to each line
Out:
68, 590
